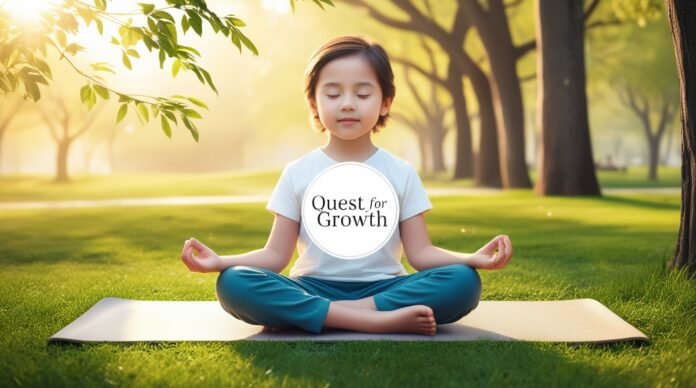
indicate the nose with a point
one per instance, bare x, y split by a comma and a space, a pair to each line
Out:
347, 103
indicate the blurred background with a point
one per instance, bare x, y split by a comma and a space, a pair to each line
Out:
259, 120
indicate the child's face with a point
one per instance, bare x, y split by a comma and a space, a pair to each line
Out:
347, 88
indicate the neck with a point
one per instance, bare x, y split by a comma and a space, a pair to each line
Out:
358, 150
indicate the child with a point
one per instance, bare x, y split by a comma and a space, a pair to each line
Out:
349, 88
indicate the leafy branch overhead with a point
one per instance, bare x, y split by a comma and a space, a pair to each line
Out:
24, 49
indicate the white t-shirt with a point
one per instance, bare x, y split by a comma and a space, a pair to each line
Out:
385, 263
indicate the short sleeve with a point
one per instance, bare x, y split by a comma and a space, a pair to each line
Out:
284, 200
415, 199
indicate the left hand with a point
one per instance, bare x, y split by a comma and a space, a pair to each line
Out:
494, 255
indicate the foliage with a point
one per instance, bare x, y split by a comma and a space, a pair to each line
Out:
24, 51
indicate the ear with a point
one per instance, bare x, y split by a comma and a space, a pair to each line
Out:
386, 105
313, 107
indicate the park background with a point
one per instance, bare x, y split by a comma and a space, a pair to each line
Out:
58, 260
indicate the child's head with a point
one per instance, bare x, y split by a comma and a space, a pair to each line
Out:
349, 78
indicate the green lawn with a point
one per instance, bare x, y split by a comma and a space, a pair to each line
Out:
56, 264
42, 188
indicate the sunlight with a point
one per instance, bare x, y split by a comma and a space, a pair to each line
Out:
278, 6
27, 11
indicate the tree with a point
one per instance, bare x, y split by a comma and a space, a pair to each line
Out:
451, 42
24, 52
650, 91
8, 113
65, 126
566, 166
681, 14
431, 129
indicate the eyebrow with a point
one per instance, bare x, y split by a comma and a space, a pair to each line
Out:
330, 84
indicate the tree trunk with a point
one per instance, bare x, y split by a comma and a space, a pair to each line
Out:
488, 160
507, 96
653, 157
62, 160
681, 15
566, 162
423, 148
463, 166
437, 138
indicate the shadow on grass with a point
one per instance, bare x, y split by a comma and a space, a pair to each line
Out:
638, 202
432, 364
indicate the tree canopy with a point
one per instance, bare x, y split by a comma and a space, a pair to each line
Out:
148, 29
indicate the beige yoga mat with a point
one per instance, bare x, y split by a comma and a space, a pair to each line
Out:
125, 320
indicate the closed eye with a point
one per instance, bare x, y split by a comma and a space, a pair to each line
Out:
363, 95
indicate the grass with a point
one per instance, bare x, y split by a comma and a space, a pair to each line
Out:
42, 188
56, 264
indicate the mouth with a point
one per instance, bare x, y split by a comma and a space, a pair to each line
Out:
348, 121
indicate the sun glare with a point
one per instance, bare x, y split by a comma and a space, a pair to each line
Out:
278, 6
27, 11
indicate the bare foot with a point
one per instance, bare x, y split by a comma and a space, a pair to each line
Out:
417, 319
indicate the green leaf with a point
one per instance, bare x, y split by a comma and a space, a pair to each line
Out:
143, 115
100, 26
163, 15
100, 4
62, 39
189, 49
236, 22
73, 48
191, 127
133, 53
192, 114
147, 8
126, 61
198, 102
170, 116
32, 90
185, 24
161, 58
248, 44
102, 66
122, 111
236, 41
85, 93
43, 67
101, 91
196, 22
209, 79
175, 67
165, 126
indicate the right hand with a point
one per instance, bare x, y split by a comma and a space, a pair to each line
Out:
200, 258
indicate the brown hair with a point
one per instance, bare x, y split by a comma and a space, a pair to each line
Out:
344, 46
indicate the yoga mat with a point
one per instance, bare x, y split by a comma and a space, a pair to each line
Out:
125, 320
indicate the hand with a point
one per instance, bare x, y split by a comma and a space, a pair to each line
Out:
494, 255
199, 258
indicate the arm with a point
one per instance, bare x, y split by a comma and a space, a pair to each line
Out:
275, 256
421, 253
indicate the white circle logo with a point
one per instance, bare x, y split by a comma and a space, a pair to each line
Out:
350, 210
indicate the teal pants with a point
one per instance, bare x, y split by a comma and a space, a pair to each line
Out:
262, 297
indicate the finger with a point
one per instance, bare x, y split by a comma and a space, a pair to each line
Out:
491, 245
186, 244
501, 253
191, 261
198, 245
508, 253
186, 256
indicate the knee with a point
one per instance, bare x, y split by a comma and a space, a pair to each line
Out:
232, 284
467, 286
